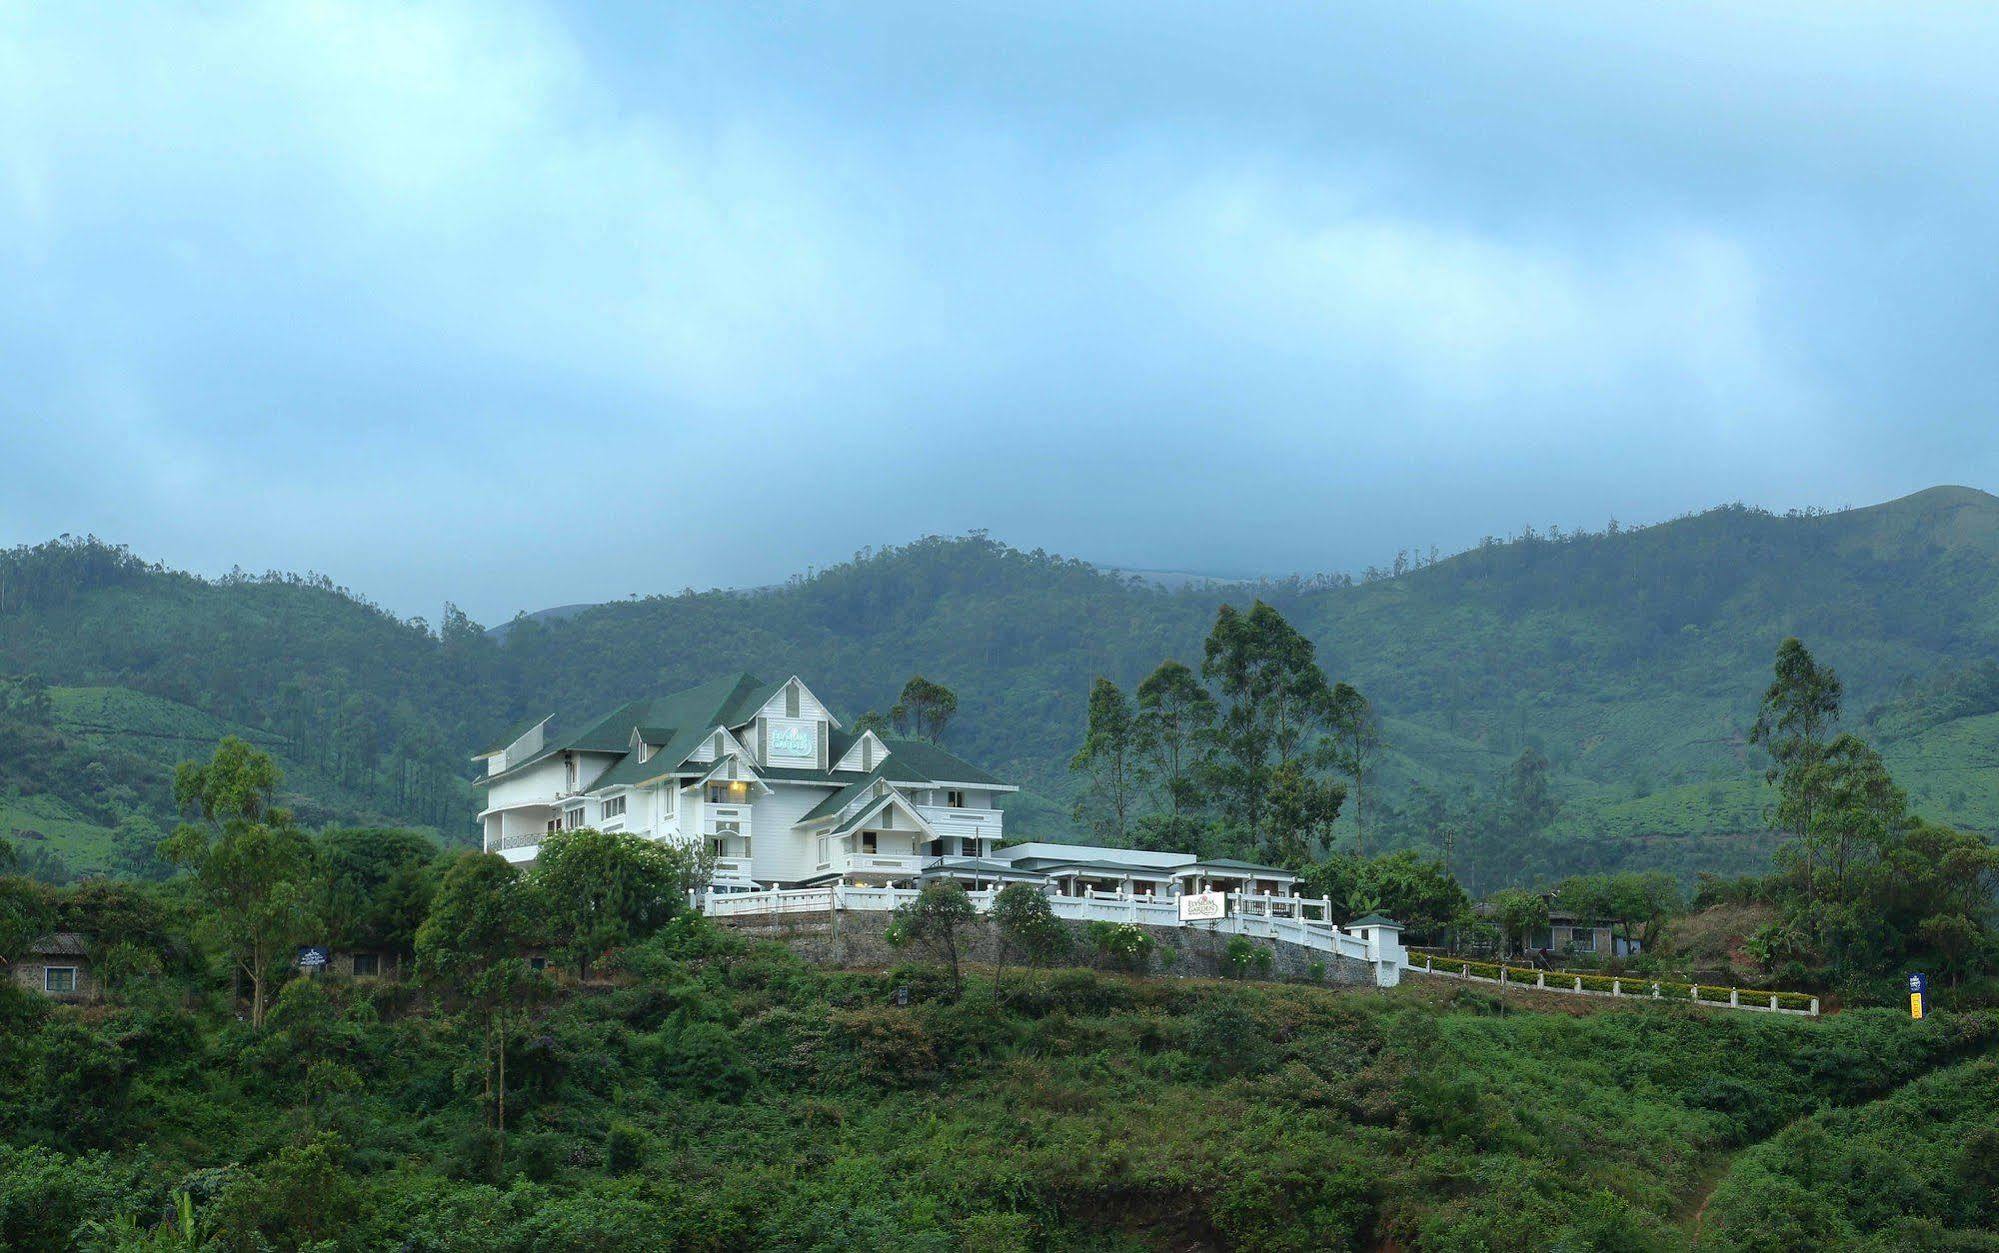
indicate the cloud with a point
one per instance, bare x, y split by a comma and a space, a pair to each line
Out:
395, 290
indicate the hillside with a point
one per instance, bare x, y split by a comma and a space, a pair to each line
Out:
1631, 658
728, 1096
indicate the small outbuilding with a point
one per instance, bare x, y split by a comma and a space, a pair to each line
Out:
57, 965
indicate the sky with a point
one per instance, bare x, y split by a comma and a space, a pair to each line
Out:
521, 304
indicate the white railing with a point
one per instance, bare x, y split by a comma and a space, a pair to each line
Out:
1634, 988
1248, 915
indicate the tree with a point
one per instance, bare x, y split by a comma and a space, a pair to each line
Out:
605, 889
1794, 725
1355, 739
1274, 697
253, 869
936, 919
378, 883
1110, 757
924, 708
1519, 913
1176, 717
1528, 802
1302, 811
468, 948
1027, 925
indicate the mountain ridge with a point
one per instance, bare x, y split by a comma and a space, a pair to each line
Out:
1631, 658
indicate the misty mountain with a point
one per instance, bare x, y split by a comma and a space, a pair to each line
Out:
1632, 659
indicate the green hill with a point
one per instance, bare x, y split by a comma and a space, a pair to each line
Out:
1631, 658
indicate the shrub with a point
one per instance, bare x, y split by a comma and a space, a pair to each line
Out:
1245, 957
1123, 945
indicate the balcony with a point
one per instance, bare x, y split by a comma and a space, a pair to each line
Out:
732, 870
720, 821
879, 865
982, 824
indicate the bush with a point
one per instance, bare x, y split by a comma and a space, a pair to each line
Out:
1122, 945
1244, 957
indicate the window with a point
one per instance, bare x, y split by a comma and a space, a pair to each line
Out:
645, 751
937, 848
867, 841
968, 846
954, 799
366, 964
537, 963
791, 700
573, 819
1582, 939
867, 754
554, 825
568, 773
669, 798
614, 807
59, 979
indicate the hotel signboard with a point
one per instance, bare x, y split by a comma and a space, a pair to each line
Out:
1203, 906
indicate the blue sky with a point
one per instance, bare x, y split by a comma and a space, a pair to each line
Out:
521, 304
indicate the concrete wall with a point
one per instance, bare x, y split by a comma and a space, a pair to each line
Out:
854, 938
29, 973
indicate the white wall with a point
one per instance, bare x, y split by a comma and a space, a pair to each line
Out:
780, 854
539, 782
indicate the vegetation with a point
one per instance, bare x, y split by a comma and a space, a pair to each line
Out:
720, 1094
1618, 669
665, 1084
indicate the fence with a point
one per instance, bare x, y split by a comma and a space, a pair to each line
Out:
1760, 1000
1277, 918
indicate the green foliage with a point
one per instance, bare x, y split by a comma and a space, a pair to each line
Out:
1026, 924
601, 890
1123, 945
936, 920
1113, 760
1245, 958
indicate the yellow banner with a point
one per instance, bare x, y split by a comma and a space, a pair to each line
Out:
1915, 1004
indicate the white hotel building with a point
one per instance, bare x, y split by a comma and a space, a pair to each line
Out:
764, 777
760, 774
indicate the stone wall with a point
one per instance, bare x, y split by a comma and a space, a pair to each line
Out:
856, 938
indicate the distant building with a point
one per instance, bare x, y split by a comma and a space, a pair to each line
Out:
58, 965
761, 775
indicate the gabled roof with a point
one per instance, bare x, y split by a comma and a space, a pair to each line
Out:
676, 725
1375, 920
865, 812
933, 765
61, 944
679, 720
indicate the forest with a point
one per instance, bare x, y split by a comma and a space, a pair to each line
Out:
1626, 659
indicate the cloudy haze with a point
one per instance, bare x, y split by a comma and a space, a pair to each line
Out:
518, 304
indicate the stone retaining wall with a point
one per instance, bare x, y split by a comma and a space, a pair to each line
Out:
856, 938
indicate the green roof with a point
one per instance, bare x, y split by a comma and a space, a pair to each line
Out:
1376, 920
675, 726
935, 765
